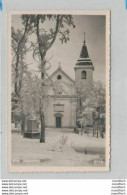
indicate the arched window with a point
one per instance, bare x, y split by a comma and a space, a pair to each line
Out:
83, 74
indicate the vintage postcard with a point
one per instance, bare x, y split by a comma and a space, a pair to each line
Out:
59, 91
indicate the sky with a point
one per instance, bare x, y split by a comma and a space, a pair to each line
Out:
68, 54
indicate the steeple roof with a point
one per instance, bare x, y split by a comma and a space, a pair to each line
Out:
84, 59
84, 51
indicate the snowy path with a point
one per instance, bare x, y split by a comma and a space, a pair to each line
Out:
60, 149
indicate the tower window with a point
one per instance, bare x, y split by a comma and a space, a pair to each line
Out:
59, 77
83, 74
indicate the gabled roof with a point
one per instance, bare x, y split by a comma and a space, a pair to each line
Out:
60, 70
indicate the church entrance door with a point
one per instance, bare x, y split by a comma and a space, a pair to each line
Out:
58, 122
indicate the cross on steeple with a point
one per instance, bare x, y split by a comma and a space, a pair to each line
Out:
59, 65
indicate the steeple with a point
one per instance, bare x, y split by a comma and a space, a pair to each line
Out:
84, 59
84, 68
84, 51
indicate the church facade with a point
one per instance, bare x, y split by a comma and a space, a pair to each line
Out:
62, 112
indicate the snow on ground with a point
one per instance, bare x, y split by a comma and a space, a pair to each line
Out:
62, 148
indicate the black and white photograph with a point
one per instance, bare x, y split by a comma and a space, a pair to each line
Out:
59, 91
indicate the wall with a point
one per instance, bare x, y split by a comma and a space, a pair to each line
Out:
69, 114
89, 76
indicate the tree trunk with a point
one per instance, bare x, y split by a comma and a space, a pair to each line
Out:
93, 130
97, 130
81, 129
42, 136
15, 121
23, 123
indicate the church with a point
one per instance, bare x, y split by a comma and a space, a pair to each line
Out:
61, 112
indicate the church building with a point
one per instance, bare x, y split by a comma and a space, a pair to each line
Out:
61, 112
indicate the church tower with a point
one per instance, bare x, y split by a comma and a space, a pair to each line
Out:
83, 68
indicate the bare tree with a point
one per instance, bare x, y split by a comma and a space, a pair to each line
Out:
45, 39
20, 47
